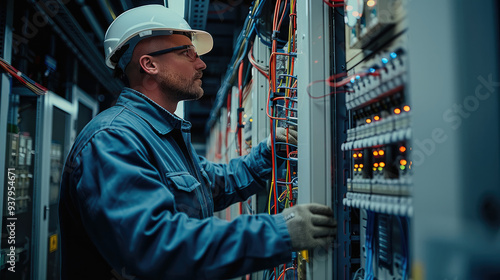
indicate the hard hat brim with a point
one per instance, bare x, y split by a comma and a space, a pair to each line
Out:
202, 41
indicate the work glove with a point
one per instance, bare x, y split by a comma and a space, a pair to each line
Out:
281, 136
310, 226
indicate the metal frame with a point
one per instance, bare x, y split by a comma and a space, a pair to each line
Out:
342, 254
314, 124
41, 191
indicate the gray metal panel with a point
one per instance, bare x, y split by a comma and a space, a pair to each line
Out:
454, 90
196, 13
260, 126
41, 196
314, 125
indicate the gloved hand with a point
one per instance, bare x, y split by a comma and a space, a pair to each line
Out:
281, 136
310, 225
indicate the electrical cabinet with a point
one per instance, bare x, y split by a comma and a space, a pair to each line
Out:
395, 103
40, 134
42, 110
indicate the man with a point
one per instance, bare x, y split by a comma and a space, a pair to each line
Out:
136, 199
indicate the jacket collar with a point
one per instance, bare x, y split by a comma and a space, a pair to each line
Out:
160, 119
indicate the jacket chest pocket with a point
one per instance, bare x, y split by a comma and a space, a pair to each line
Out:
184, 188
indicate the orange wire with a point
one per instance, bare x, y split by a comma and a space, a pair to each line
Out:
240, 98
285, 270
281, 18
240, 102
228, 123
271, 71
334, 5
273, 172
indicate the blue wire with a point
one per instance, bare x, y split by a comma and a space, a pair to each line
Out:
369, 244
284, 143
283, 158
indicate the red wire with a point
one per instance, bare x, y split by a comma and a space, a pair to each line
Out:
274, 170
334, 5
240, 122
240, 103
14, 72
281, 18
228, 125
218, 149
332, 83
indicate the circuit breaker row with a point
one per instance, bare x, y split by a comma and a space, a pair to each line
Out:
19, 158
379, 135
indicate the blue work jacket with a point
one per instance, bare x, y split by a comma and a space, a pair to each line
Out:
137, 200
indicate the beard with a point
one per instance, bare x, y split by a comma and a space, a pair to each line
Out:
178, 87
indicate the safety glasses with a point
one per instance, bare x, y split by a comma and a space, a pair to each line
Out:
189, 51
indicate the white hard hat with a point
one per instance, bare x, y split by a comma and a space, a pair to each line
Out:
146, 21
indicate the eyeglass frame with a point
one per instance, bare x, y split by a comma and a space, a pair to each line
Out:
160, 52
165, 51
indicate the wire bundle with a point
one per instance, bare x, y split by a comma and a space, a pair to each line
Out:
281, 102
25, 80
282, 112
246, 35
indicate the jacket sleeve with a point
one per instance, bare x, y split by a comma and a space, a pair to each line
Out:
240, 178
130, 216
